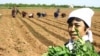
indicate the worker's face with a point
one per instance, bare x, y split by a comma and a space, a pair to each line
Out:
79, 25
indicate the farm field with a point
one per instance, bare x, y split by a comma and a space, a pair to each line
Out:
32, 36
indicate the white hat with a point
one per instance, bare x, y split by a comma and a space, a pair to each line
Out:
84, 14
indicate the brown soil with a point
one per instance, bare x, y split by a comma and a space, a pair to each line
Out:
32, 36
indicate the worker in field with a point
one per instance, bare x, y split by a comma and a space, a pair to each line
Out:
81, 20
15, 11
24, 14
56, 13
31, 15
58, 10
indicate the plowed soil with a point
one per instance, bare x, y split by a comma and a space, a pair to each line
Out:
32, 36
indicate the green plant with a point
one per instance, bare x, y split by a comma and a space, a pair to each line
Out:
80, 48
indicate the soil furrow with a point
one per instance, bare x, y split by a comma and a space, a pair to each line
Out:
52, 25
38, 35
48, 30
56, 22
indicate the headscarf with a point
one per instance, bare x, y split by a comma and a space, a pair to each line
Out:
86, 15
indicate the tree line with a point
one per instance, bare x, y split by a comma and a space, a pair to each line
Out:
9, 5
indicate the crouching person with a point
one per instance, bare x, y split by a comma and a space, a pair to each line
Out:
31, 15
80, 19
24, 14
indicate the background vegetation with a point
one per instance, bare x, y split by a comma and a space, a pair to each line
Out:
9, 5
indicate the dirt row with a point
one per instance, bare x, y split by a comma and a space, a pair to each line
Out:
32, 36
39, 23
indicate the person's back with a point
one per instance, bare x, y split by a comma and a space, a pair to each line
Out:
31, 15
56, 14
24, 14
